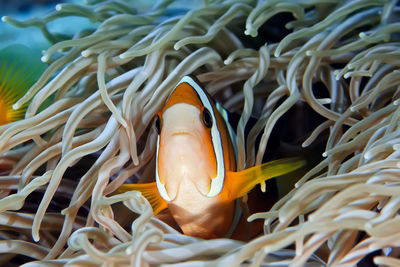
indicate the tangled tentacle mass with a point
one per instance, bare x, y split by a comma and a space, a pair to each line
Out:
259, 59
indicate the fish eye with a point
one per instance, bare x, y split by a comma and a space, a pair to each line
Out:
206, 118
158, 124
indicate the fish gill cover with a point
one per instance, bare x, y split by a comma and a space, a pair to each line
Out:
335, 60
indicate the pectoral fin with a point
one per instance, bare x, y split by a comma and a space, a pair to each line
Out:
239, 183
150, 192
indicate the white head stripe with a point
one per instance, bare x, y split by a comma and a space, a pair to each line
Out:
160, 186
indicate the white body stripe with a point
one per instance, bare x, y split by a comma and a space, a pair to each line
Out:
217, 182
231, 131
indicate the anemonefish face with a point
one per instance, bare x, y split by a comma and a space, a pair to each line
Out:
189, 144
185, 153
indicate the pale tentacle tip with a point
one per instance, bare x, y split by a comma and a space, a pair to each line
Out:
135, 161
44, 58
4, 18
311, 217
347, 75
130, 250
324, 101
368, 155
252, 32
268, 250
353, 109
123, 56
16, 106
369, 225
85, 53
252, 218
58, 7
35, 236
362, 35
396, 147
325, 154
282, 219
396, 102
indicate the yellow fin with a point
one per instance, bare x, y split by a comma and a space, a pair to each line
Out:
150, 192
239, 183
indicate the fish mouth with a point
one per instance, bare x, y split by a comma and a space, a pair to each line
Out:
180, 132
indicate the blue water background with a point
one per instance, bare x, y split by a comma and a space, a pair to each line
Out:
32, 36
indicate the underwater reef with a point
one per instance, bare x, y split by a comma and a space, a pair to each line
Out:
301, 76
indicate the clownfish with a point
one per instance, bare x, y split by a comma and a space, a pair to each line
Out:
195, 177
20, 67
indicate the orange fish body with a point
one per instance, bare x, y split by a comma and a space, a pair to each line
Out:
195, 166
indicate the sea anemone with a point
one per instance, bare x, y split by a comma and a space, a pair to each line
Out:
258, 59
